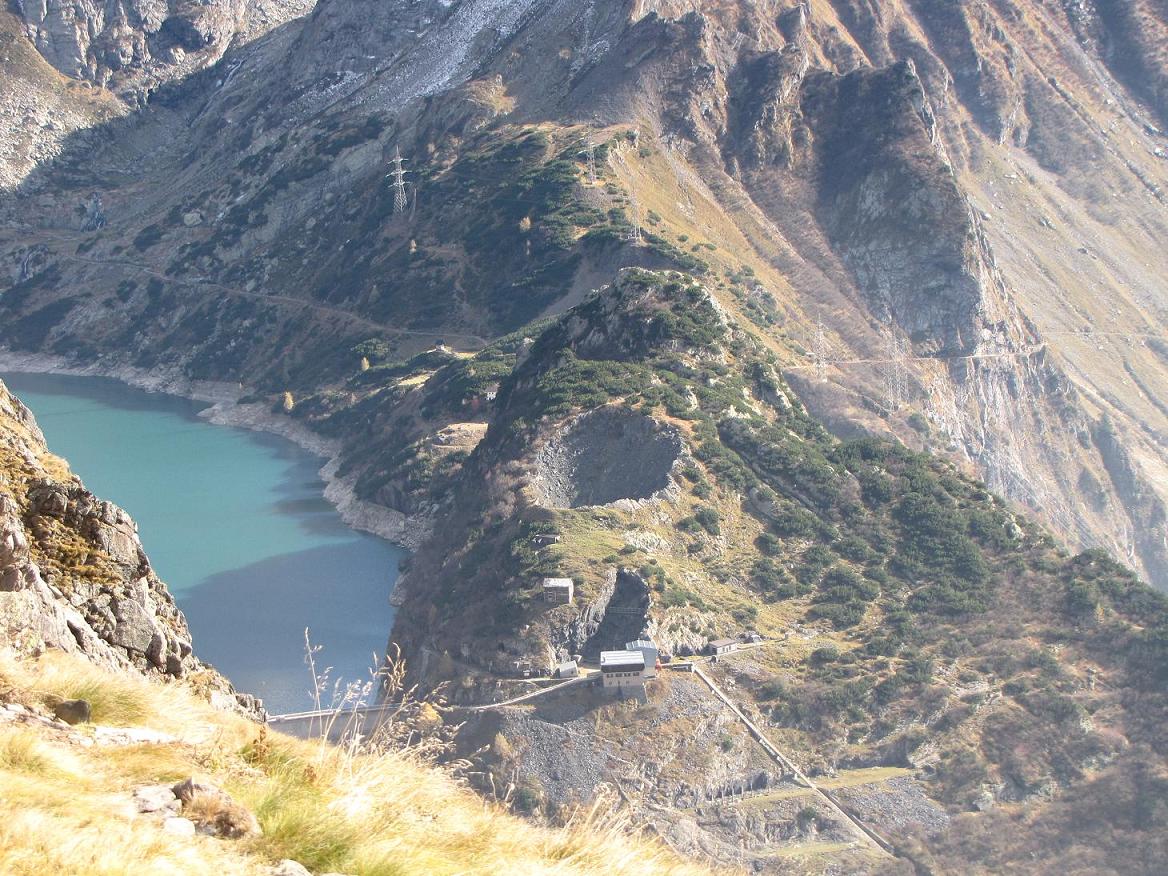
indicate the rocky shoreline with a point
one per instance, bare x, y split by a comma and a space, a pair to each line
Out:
226, 410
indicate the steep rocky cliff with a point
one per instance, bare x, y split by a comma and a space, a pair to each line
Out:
132, 46
73, 574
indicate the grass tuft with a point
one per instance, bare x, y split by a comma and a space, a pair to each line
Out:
20, 752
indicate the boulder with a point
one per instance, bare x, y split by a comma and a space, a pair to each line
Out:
289, 868
134, 628
213, 811
157, 798
188, 789
13, 543
11, 579
72, 711
49, 500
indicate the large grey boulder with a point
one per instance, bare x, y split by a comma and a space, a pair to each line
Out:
72, 711
135, 629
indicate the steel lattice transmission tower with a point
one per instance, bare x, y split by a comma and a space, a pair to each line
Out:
590, 158
635, 218
820, 351
896, 373
400, 201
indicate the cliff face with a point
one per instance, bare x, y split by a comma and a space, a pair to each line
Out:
132, 46
73, 574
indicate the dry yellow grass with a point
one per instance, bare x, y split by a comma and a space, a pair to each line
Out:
65, 807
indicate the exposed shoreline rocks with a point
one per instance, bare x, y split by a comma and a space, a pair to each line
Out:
226, 410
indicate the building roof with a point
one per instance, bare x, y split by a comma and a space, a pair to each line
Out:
640, 643
557, 582
617, 661
567, 665
722, 643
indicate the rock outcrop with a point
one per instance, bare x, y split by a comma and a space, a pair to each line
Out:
131, 46
606, 456
73, 574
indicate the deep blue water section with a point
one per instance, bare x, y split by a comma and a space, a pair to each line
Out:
236, 524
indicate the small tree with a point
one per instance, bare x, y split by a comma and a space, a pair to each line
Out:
374, 350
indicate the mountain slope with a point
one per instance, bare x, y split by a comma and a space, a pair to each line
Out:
927, 243
914, 622
938, 189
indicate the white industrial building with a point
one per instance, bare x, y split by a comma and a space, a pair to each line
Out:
650, 653
622, 669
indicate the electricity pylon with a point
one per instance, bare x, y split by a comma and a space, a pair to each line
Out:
400, 202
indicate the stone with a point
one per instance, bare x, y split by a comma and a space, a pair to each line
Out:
11, 579
130, 736
72, 711
13, 542
50, 500
178, 826
213, 811
193, 218
134, 628
157, 798
289, 867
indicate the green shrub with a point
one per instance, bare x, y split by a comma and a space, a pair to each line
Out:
709, 519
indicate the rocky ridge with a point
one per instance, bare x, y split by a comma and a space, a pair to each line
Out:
133, 46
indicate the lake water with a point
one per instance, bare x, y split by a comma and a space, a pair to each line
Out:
236, 524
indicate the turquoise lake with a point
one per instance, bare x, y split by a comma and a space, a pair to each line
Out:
236, 524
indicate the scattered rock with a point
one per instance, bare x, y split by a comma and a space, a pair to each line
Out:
604, 456
156, 798
213, 811
130, 736
73, 711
